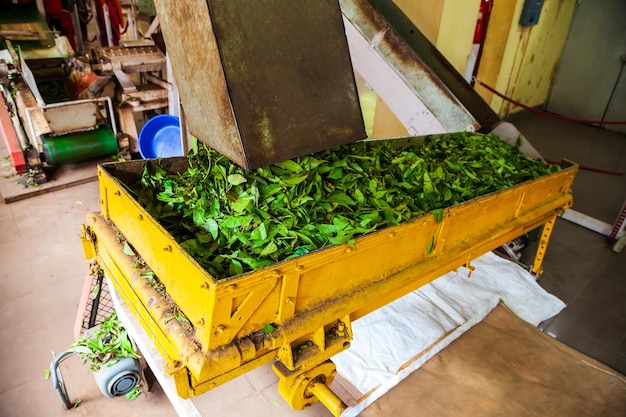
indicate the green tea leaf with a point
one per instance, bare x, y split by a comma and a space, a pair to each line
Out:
431, 245
289, 165
260, 233
216, 209
211, 226
294, 180
340, 239
236, 179
327, 229
428, 184
358, 195
335, 173
243, 202
134, 394
181, 317
340, 198
232, 222
235, 267
269, 249
438, 215
271, 189
198, 216
128, 250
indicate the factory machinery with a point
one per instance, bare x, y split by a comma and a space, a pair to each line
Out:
265, 84
58, 106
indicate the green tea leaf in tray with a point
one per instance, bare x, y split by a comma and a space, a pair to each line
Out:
234, 221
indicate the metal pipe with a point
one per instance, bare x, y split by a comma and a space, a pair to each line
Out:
57, 378
80, 46
109, 247
590, 223
19, 129
156, 80
322, 392
31, 127
617, 82
111, 113
107, 25
95, 301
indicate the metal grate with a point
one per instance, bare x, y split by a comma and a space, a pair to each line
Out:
100, 304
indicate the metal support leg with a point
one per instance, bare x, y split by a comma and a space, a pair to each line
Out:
129, 126
618, 227
57, 378
537, 268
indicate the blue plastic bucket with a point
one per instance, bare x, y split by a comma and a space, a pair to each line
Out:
160, 137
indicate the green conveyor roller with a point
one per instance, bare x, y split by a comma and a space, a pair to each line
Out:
79, 146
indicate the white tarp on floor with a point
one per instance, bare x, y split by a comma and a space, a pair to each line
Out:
393, 341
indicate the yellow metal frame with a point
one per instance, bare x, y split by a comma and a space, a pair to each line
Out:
310, 301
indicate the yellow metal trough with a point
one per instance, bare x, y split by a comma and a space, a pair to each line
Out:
310, 301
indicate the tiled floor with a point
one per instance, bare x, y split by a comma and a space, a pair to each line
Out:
42, 271
580, 267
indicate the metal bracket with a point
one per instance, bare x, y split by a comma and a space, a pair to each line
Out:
88, 240
317, 346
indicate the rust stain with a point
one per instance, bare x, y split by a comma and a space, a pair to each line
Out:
410, 59
374, 18
436, 95
197, 67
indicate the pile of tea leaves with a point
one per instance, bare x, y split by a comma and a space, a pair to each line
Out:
233, 221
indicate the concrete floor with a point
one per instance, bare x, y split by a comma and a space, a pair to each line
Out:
42, 271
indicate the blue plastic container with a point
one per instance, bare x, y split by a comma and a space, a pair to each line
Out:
160, 137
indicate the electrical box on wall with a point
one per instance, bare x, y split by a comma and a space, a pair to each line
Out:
531, 12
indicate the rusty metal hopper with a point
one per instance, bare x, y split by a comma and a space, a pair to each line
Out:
263, 82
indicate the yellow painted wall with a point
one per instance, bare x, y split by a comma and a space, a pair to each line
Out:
519, 61
456, 31
379, 120
497, 56
448, 24
426, 15
386, 124
540, 58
